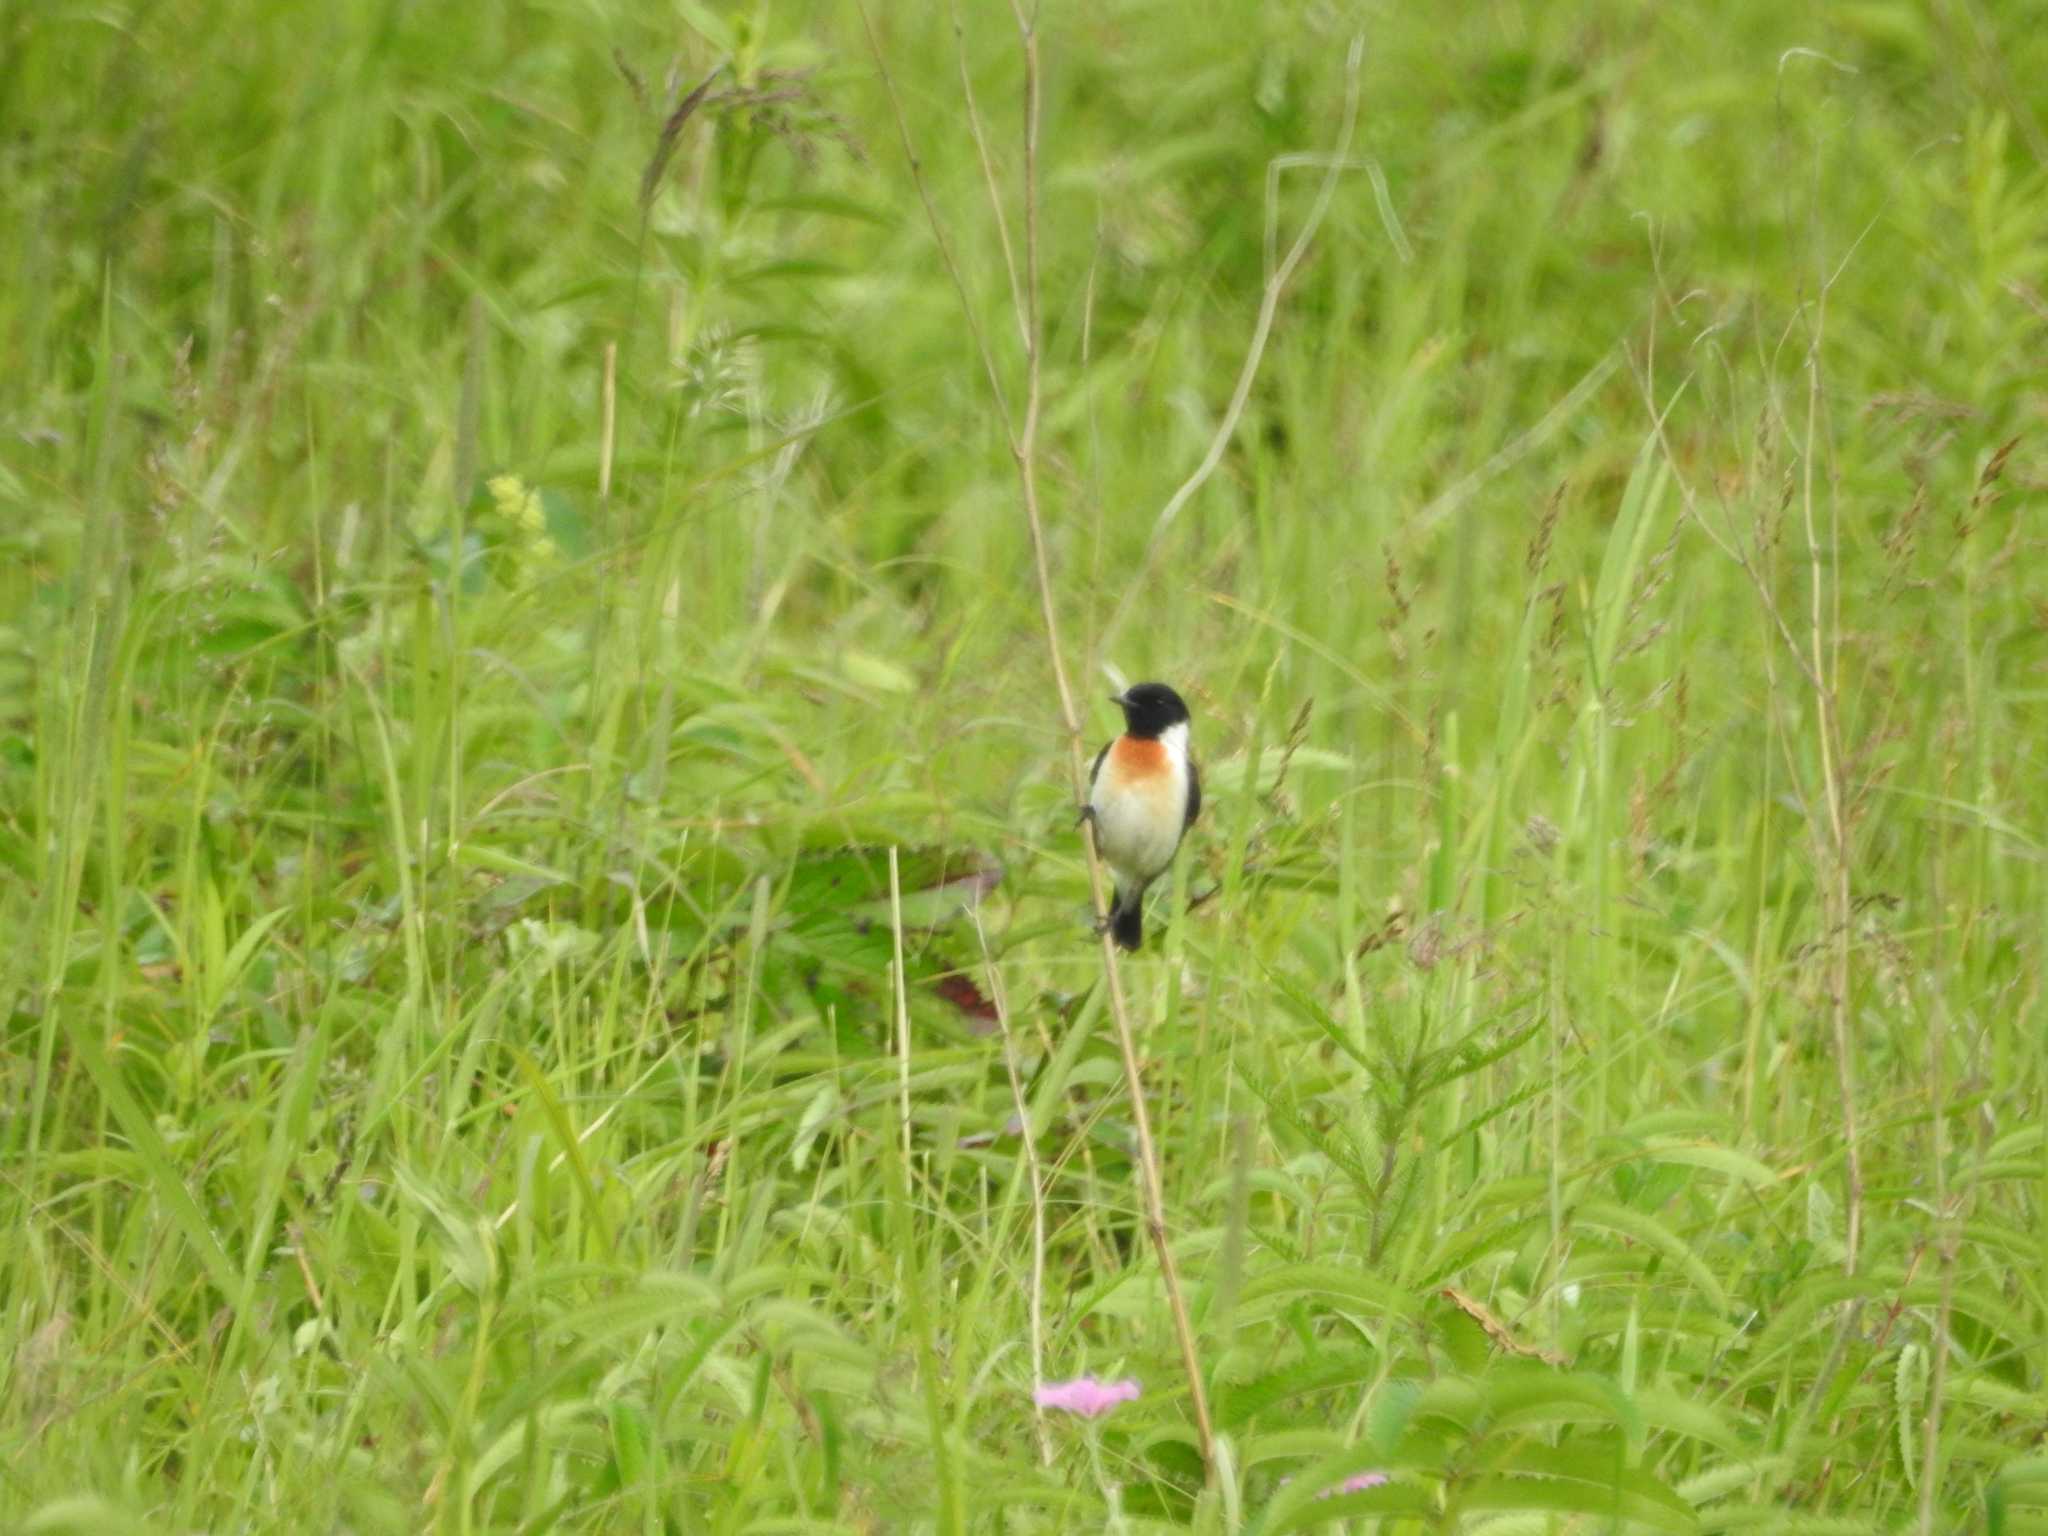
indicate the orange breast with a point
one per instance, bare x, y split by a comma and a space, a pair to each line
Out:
1135, 761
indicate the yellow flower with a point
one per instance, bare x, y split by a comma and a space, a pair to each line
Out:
516, 504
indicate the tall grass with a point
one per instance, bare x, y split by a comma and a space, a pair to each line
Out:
475, 852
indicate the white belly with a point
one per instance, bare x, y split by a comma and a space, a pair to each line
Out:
1138, 822
1138, 837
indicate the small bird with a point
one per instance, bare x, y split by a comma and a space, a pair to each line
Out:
1143, 793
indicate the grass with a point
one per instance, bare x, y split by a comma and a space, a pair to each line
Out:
450, 1076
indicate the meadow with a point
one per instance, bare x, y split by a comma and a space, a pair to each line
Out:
546, 552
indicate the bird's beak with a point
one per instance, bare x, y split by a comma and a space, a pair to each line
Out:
1117, 699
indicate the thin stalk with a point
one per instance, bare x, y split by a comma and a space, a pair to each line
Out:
1023, 441
902, 1003
1029, 1135
1835, 845
1026, 455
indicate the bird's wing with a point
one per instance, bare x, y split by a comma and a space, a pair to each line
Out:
1194, 794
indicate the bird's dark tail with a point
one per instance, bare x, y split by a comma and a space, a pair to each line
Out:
1127, 919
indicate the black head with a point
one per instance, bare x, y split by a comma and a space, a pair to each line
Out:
1149, 708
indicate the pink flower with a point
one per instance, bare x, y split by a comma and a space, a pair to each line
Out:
1084, 1396
1358, 1482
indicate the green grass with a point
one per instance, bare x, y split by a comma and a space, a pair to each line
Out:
448, 1077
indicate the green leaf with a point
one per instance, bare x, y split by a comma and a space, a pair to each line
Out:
788, 271
498, 862
1392, 1409
709, 25
82, 1514
1675, 1413
566, 524
1330, 1282
154, 1155
1776, 1520
1516, 1394
1631, 1496
1626, 541
1230, 775
221, 981
1606, 1215
571, 1145
827, 204
1238, 1405
1301, 1503
1909, 1388
1394, 1498
876, 673
631, 1441
821, 1108
1692, 1154
468, 1241
2025, 1472
1822, 1219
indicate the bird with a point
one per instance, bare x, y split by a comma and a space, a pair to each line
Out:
1144, 792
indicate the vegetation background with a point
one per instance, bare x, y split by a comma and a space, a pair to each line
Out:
447, 801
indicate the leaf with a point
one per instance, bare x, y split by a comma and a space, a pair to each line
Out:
1624, 554
1309, 1008
823, 203
2025, 1472
823, 1105
2020, 1144
1776, 1520
566, 524
1464, 1247
1467, 1057
1238, 1405
1648, 1231
1983, 1392
141, 1129
1909, 1388
86, 1514
1715, 1159
1228, 776
1995, 1328
498, 862
1393, 1408
708, 24
468, 1241
1821, 1228
1674, 1413
839, 879
1705, 1487
557, 1117
1629, 1495
1395, 1498
874, 672
1495, 1329
1330, 1282
631, 1441
787, 271
1517, 1396
611, 1324
222, 981
1301, 1503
